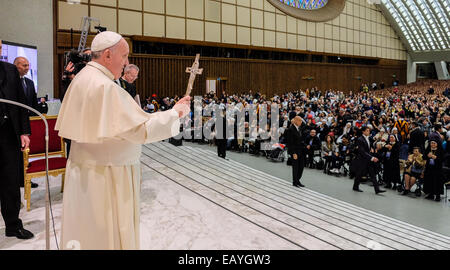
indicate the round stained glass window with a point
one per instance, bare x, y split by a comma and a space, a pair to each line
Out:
305, 4
310, 10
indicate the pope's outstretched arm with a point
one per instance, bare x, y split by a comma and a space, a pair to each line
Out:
160, 125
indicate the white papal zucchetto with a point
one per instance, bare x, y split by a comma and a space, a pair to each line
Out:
105, 40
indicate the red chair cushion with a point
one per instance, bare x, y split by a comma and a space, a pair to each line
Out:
37, 137
53, 164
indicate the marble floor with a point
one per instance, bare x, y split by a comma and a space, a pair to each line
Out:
418, 211
191, 199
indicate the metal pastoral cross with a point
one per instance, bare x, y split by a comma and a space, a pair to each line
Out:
194, 70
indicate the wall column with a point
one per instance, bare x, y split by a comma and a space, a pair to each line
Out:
411, 75
441, 70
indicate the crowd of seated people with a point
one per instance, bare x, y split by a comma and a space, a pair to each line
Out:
410, 128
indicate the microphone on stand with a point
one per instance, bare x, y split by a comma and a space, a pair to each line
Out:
47, 193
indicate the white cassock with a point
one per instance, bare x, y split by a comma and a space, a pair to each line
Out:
107, 129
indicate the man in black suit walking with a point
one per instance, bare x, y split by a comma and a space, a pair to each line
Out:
23, 66
14, 132
296, 148
364, 161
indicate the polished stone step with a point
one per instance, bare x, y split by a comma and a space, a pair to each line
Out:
388, 222
350, 226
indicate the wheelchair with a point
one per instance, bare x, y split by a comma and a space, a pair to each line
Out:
418, 185
329, 163
318, 162
347, 160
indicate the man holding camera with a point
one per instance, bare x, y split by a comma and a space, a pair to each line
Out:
77, 61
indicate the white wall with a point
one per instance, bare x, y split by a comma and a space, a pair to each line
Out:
31, 22
441, 70
411, 73
360, 30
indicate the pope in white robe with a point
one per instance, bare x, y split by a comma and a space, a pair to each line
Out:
107, 129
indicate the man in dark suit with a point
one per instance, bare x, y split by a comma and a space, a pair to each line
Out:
312, 144
296, 149
295, 113
14, 132
220, 127
42, 106
130, 74
416, 138
130, 88
364, 161
23, 66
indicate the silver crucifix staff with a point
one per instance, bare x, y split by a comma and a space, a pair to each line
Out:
194, 70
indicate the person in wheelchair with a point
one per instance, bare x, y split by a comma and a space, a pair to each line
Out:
391, 163
414, 169
330, 154
381, 136
253, 142
312, 145
244, 143
344, 152
352, 153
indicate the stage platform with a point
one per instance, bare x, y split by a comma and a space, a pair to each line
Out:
191, 199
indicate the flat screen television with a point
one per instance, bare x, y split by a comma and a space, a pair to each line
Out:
11, 50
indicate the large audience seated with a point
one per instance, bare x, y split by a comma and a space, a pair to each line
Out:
410, 127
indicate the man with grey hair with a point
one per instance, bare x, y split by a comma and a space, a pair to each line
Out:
23, 66
130, 74
296, 149
107, 129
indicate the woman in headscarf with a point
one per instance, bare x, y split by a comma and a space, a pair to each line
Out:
381, 136
433, 185
397, 136
347, 128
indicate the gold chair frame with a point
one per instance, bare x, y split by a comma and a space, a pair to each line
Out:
29, 176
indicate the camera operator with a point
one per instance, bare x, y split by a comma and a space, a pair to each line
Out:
76, 62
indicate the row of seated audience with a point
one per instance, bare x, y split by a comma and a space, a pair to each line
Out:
410, 129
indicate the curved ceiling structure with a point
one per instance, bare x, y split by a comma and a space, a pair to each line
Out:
424, 24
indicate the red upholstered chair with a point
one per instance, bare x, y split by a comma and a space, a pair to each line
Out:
36, 168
